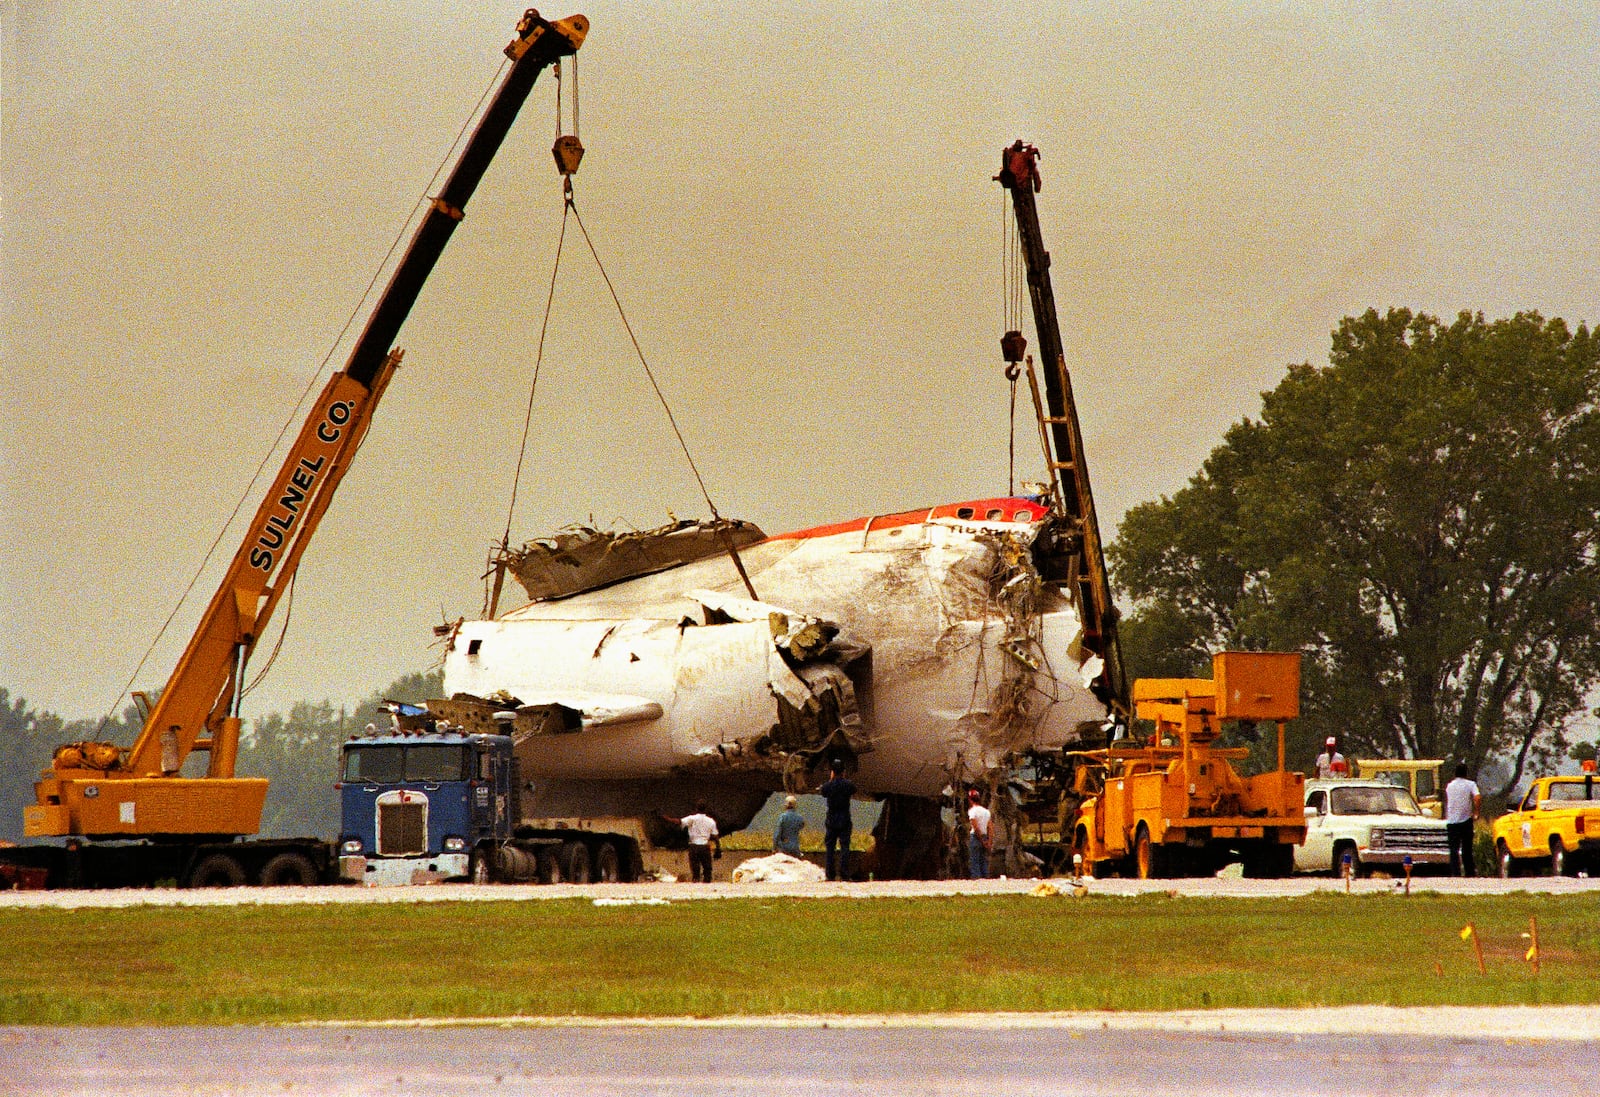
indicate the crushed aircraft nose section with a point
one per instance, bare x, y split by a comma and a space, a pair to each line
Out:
926, 648
720, 686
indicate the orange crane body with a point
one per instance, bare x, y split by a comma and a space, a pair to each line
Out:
101, 791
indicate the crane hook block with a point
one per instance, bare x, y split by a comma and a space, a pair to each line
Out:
568, 151
1012, 346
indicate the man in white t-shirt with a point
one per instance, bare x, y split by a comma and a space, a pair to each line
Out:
703, 839
978, 837
1330, 763
1461, 802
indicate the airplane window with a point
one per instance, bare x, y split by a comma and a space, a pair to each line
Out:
964, 512
996, 514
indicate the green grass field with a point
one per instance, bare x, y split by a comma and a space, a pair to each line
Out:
225, 965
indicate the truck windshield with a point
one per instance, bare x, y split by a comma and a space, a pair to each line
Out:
436, 763
392, 763
373, 764
1372, 801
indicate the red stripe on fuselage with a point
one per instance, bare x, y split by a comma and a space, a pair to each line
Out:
1009, 509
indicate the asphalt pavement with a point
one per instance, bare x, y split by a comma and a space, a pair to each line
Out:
1153, 1055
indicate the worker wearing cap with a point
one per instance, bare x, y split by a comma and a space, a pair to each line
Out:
1330, 763
786, 835
978, 840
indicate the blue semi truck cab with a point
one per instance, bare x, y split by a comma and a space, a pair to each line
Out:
424, 806
431, 801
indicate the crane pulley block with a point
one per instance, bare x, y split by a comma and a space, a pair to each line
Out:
568, 153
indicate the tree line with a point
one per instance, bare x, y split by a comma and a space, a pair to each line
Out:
297, 751
1420, 518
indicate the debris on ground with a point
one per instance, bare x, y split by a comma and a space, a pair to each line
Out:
780, 868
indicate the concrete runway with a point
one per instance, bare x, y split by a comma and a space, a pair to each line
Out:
1346, 1051
682, 891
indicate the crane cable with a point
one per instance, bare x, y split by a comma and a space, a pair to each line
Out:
568, 151
294, 416
538, 362
570, 206
1011, 310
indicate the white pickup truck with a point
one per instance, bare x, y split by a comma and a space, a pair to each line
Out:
1376, 823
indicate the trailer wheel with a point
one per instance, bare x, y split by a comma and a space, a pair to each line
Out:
218, 870
575, 862
289, 870
550, 871
607, 866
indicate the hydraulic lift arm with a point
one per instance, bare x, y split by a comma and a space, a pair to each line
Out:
97, 790
1019, 174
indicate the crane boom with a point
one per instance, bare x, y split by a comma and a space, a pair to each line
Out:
1019, 174
98, 790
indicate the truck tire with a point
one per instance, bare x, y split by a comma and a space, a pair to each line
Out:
607, 866
1560, 860
1508, 864
480, 867
1146, 864
289, 870
216, 870
1357, 870
550, 865
575, 862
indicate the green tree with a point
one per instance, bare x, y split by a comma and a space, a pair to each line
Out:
298, 753
1420, 518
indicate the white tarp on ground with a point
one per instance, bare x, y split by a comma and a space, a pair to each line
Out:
779, 868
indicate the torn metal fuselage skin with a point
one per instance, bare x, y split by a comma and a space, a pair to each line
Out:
927, 649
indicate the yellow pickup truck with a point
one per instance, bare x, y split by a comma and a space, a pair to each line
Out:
1556, 825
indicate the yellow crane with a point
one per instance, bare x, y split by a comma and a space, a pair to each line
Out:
101, 791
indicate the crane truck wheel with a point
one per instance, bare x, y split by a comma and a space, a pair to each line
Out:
217, 870
289, 870
1144, 856
607, 866
575, 862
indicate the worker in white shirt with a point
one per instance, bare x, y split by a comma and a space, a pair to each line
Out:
978, 840
703, 840
1330, 763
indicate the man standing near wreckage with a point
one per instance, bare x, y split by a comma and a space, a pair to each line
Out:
979, 841
703, 839
786, 835
837, 790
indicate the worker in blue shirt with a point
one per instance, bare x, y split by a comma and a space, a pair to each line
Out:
786, 835
837, 790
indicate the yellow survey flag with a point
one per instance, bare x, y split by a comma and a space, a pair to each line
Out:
1466, 931
1533, 951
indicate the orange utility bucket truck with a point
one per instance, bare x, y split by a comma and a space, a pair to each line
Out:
1173, 804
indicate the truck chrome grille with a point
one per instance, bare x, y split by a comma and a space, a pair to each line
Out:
403, 828
1427, 838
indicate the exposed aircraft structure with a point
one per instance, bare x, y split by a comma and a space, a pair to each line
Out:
926, 648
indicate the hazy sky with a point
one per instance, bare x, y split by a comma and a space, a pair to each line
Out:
795, 203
